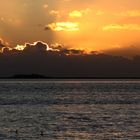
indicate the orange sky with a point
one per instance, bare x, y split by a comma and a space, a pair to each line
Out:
85, 24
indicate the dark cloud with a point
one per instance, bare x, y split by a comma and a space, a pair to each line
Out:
59, 61
36, 47
41, 47
5, 50
47, 28
62, 49
72, 52
54, 62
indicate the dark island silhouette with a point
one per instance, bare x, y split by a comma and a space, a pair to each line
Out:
39, 76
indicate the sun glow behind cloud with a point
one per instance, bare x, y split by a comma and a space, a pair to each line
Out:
90, 25
20, 47
63, 26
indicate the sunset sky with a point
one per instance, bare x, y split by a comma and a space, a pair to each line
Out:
82, 24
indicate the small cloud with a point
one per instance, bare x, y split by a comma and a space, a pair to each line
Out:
45, 6
2, 19
38, 46
66, 51
63, 26
55, 13
121, 27
48, 28
75, 14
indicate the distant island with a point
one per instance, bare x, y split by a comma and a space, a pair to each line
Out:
26, 76
30, 76
39, 76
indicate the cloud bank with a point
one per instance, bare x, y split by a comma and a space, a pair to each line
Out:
58, 61
39, 47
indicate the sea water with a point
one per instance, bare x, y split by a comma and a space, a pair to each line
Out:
69, 110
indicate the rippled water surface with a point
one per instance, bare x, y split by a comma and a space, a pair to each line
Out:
69, 110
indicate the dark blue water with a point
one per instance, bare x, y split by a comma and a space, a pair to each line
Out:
69, 110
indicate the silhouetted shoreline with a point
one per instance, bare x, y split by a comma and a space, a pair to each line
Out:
38, 76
